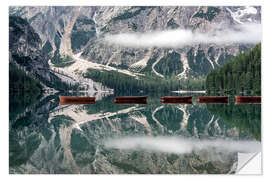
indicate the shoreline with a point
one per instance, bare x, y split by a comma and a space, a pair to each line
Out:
183, 91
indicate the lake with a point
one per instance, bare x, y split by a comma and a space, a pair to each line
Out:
152, 138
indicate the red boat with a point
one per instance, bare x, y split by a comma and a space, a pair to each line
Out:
176, 99
247, 99
130, 100
213, 99
76, 100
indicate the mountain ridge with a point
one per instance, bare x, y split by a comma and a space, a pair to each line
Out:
92, 23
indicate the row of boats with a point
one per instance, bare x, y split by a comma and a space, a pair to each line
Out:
165, 100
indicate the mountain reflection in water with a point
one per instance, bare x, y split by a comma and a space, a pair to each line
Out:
107, 138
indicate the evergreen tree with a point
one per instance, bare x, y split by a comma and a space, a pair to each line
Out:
240, 74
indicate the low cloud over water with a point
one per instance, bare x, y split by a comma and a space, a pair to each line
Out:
179, 145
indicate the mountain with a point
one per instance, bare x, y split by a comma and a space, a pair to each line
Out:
25, 48
80, 33
28, 58
29, 69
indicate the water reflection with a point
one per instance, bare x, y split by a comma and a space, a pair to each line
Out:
246, 117
71, 138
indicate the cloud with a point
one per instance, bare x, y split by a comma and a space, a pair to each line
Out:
245, 33
181, 145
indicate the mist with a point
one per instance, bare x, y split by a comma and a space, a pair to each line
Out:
246, 33
180, 145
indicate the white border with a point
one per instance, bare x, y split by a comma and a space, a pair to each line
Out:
265, 78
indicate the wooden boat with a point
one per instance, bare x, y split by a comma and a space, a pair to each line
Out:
213, 99
247, 99
130, 100
176, 99
76, 100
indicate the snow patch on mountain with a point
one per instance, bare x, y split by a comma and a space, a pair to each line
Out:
96, 25
142, 63
240, 13
186, 67
217, 57
65, 45
153, 66
212, 64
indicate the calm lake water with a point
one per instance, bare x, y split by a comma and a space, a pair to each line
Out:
105, 138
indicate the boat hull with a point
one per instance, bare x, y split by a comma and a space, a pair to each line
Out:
247, 99
213, 99
176, 100
76, 100
130, 100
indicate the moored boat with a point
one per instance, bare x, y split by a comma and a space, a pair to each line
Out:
76, 100
176, 99
130, 100
247, 99
213, 99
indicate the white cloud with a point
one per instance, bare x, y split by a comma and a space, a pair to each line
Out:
180, 145
245, 33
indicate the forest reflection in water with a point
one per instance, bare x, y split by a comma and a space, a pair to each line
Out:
48, 138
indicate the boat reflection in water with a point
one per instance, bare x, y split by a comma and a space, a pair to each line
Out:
130, 100
76, 100
247, 99
213, 99
176, 100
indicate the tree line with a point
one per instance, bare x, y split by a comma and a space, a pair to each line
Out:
241, 75
148, 83
20, 82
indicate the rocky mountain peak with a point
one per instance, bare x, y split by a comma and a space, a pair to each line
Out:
25, 48
73, 30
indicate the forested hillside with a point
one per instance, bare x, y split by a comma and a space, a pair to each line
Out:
148, 83
241, 75
20, 82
